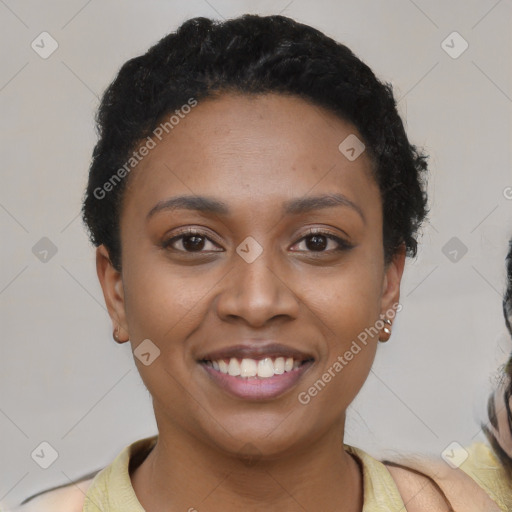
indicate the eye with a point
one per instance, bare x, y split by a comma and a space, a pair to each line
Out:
317, 241
191, 240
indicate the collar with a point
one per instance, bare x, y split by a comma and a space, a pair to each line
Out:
112, 490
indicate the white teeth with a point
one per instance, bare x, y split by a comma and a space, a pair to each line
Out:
279, 366
234, 367
248, 368
263, 368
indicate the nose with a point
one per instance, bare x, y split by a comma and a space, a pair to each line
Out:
256, 293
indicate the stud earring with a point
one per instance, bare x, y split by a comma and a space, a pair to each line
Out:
115, 335
386, 331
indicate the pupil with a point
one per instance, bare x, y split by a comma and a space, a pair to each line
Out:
197, 243
318, 242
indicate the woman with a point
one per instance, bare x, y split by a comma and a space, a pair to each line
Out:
253, 197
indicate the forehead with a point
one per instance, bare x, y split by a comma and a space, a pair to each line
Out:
252, 148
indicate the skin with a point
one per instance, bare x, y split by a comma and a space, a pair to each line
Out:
253, 153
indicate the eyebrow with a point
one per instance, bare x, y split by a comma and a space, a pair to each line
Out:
296, 206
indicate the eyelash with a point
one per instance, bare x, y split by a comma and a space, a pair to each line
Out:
343, 245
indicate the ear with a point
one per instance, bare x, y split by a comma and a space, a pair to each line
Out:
113, 292
392, 279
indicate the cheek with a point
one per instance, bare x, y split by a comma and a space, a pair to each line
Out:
163, 308
347, 357
347, 301
347, 307
352, 312
161, 299
165, 305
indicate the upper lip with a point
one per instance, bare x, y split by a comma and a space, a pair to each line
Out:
255, 351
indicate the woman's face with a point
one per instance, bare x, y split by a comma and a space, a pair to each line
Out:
254, 283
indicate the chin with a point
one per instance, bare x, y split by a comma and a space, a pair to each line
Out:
256, 437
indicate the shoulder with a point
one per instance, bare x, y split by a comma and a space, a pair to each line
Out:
474, 485
419, 492
71, 497
398, 486
68, 498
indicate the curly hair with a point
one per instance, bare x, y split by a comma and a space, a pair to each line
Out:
254, 54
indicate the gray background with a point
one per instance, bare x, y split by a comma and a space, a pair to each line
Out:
63, 379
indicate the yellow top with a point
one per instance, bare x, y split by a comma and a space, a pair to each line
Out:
112, 491
472, 479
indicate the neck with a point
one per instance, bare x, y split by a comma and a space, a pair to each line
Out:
181, 473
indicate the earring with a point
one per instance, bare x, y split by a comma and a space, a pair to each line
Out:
115, 335
386, 331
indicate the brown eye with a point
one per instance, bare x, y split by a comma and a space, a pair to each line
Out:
316, 242
319, 241
190, 241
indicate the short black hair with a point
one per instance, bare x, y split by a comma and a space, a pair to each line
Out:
253, 54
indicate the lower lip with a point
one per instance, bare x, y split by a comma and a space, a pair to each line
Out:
254, 388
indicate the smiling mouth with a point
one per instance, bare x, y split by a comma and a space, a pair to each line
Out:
248, 368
